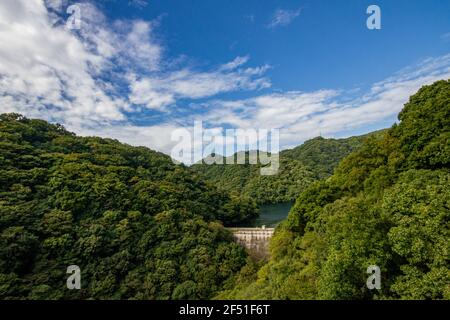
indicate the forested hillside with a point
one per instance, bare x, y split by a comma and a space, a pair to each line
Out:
141, 227
137, 225
387, 204
299, 167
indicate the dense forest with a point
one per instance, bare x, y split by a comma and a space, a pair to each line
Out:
299, 167
136, 224
141, 227
387, 204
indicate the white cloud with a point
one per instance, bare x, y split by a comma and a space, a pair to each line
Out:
140, 4
78, 77
156, 137
304, 115
283, 17
237, 62
140, 48
277, 110
159, 92
48, 72
56, 5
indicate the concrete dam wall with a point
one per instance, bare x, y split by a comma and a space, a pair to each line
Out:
255, 240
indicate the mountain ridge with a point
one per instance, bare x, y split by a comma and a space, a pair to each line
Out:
300, 166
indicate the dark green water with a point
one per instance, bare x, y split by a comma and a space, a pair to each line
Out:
271, 214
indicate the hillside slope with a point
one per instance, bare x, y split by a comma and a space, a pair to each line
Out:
387, 204
137, 225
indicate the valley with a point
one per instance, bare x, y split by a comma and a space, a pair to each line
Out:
141, 227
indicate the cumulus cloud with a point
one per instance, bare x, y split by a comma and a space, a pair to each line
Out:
46, 71
92, 78
56, 5
283, 18
99, 78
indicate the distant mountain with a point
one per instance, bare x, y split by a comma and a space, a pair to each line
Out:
322, 155
299, 167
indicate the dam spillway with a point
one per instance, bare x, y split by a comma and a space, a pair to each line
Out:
255, 240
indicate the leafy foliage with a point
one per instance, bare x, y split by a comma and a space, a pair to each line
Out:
299, 167
137, 225
387, 204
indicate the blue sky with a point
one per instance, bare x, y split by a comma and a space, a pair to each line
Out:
138, 70
326, 45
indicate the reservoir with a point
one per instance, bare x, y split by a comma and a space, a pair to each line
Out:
271, 214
